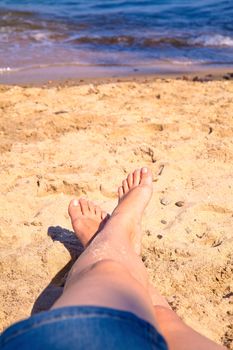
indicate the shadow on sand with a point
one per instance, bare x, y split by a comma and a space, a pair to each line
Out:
52, 292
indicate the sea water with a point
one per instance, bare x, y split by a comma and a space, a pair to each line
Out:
67, 38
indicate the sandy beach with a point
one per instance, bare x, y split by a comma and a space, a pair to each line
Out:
81, 140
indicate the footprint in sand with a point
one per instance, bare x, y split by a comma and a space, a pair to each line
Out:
216, 209
54, 185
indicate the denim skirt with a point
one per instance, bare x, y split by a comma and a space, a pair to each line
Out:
82, 327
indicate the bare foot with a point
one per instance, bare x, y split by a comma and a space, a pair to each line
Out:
87, 219
137, 189
140, 180
134, 195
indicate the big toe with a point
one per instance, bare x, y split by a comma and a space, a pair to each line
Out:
146, 177
74, 209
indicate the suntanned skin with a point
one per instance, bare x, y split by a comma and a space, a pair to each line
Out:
110, 271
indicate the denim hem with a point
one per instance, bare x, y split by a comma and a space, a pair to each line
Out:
62, 314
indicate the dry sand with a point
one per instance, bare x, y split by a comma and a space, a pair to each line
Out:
64, 141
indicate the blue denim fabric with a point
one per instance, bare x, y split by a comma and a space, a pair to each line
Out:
82, 327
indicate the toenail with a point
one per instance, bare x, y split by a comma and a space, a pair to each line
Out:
75, 202
144, 170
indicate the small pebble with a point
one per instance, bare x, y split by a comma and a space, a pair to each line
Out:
36, 223
61, 112
163, 222
164, 201
148, 232
196, 78
159, 236
179, 203
161, 166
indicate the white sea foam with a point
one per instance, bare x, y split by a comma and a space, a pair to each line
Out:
7, 70
4, 69
40, 36
215, 40
186, 62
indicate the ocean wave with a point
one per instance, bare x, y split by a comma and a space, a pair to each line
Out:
128, 40
105, 40
153, 42
216, 40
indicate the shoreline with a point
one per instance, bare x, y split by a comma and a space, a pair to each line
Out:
81, 78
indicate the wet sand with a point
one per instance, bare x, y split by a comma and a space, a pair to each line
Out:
81, 139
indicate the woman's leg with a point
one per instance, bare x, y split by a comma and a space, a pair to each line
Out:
110, 271
178, 335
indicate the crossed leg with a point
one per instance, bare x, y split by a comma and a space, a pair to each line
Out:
110, 272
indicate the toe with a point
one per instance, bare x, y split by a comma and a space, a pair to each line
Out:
103, 215
120, 192
98, 212
125, 186
136, 177
145, 176
130, 180
91, 207
74, 209
84, 206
